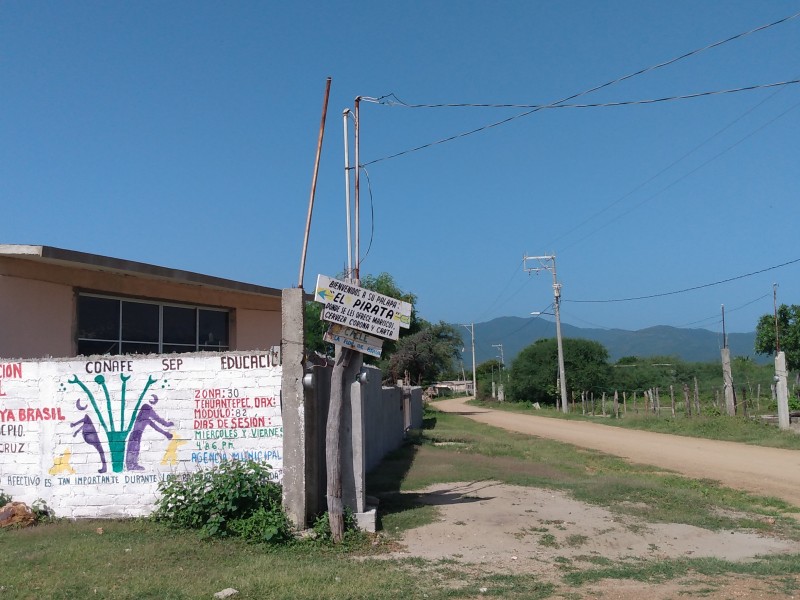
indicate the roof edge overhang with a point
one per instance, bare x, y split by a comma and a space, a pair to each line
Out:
96, 262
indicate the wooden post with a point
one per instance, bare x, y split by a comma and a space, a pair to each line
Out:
696, 398
616, 404
744, 401
592, 396
672, 398
758, 398
635, 408
603, 404
624, 403
333, 448
687, 405
583, 402
657, 408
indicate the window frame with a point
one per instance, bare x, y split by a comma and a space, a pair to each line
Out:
119, 342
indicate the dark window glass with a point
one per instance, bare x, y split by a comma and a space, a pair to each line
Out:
139, 322
213, 330
144, 326
98, 318
180, 326
139, 348
89, 347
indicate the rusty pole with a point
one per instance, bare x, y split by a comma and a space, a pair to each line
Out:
314, 183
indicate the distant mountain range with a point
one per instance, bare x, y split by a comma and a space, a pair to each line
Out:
693, 345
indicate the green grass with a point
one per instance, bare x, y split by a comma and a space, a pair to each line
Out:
141, 559
713, 427
783, 566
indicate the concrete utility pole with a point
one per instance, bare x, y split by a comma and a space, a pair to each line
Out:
543, 266
781, 374
502, 360
471, 329
727, 375
501, 390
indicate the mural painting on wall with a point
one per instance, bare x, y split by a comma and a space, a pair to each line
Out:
117, 426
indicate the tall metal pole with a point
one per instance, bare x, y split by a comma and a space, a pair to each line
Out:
345, 116
357, 205
557, 313
314, 183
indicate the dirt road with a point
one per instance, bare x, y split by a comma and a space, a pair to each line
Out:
763, 471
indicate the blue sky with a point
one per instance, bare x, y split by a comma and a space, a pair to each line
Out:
183, 134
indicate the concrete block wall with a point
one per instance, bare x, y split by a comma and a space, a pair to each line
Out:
93, 437
369, 431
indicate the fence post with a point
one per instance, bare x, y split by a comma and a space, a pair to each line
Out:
672, 398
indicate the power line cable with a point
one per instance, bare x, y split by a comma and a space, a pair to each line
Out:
372, 217
681, 178
718, 319
748, 88
665, 169
502, 292
579, 94
689, 289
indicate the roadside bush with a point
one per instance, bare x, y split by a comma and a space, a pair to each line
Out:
4, 498
233, 498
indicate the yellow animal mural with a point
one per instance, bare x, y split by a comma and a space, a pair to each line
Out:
171, 453
61, 464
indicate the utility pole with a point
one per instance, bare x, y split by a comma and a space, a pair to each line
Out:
502, 360
781, 374
471, 329
501, 390
543, 266
727, 376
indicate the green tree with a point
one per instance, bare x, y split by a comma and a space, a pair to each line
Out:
534, 373
424, 355
789, 334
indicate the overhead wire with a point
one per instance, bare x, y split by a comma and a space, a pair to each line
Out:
718, 318
685, 290
583, 93
686, 175
664, 170
692, 96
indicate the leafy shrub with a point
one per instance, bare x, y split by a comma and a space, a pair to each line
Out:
322, 525
231, 498
265, 525
42, 512
4, 498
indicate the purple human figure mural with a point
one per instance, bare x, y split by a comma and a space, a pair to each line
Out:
146, 416
89, 431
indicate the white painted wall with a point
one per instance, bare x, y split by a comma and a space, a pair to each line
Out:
170, 415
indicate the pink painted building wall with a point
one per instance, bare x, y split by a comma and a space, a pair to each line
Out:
40, 286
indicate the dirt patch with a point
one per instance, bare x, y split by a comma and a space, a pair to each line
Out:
512, 530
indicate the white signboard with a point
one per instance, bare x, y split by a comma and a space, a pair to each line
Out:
354, 339
362, 309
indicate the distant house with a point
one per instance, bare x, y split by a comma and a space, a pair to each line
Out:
61, 303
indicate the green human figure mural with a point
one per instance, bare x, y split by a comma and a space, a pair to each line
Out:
123, 445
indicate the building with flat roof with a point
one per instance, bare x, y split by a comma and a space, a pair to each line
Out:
62, 303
